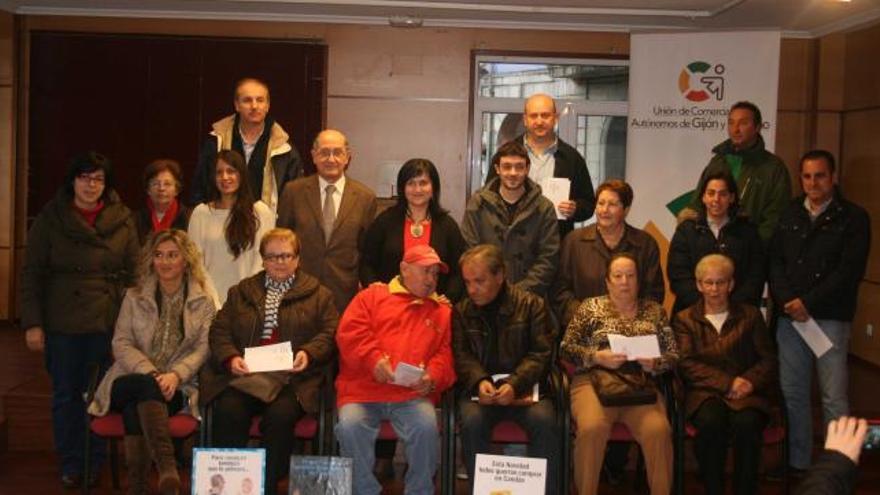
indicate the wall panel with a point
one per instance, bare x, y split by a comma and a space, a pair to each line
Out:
792, 137
860, 173
861, 344
862, 69
797, 74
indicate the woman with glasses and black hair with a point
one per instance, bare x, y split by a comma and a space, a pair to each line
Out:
228, 227
81, 254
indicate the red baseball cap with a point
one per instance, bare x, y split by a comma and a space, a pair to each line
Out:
424, 255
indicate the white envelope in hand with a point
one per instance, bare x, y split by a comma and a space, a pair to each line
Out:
274, 357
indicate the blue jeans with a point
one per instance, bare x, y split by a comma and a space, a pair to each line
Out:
539, 421
415, 423
795, 375
68, 357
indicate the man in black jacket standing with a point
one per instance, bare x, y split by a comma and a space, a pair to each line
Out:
817, 259
502, 340
552, 157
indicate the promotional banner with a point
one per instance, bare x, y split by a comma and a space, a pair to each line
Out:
681, 87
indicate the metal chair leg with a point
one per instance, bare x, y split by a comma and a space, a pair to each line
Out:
114, 463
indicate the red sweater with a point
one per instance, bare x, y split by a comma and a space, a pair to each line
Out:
385, 319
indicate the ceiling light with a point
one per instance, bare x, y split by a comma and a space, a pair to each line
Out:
405, 21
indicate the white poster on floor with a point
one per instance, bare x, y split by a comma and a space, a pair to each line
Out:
681, 87
222, 471
508, 475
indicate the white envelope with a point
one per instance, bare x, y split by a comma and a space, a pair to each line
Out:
814, 336
556, 189
642, 346
407, 375
274, 357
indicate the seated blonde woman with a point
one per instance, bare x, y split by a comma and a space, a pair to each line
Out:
160, 342
598, 370
728, 365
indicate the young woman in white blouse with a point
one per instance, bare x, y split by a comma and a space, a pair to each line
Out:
227, 227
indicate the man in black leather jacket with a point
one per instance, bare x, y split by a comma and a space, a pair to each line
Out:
502, 340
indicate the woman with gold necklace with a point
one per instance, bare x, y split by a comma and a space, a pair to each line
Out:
416, 218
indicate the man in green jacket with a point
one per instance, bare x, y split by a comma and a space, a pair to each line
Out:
761, 177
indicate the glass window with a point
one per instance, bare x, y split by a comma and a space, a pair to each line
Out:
581, 81
591, 98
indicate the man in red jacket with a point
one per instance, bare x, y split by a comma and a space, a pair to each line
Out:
395, 360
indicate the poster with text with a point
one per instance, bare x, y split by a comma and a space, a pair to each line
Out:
509, 475
228, 471
320, 475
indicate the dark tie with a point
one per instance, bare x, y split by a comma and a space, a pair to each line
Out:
328, 212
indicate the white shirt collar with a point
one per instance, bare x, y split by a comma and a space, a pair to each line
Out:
340, 184
820, 210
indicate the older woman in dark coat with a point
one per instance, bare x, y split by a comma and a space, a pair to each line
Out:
729, 369
163, 181
81, 254
280, 304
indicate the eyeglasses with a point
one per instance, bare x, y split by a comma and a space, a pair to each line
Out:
325, 153
91, 179
156, 184
278, 257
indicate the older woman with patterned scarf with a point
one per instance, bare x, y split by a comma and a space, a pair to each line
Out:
160, 343
280, 304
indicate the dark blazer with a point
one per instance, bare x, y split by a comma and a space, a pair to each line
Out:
820, 262
569, 164
307, 319
582, 268
515, 338
709, 361
738, 240
145, 224
382, 250
334, 262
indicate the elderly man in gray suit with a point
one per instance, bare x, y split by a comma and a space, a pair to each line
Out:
330, 213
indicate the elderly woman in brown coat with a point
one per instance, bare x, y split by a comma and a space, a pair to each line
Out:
160, 342
729, 369
279, 304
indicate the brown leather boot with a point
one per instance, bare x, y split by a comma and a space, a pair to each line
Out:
154, 422
137, 460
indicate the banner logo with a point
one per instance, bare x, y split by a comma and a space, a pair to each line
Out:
699, 81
